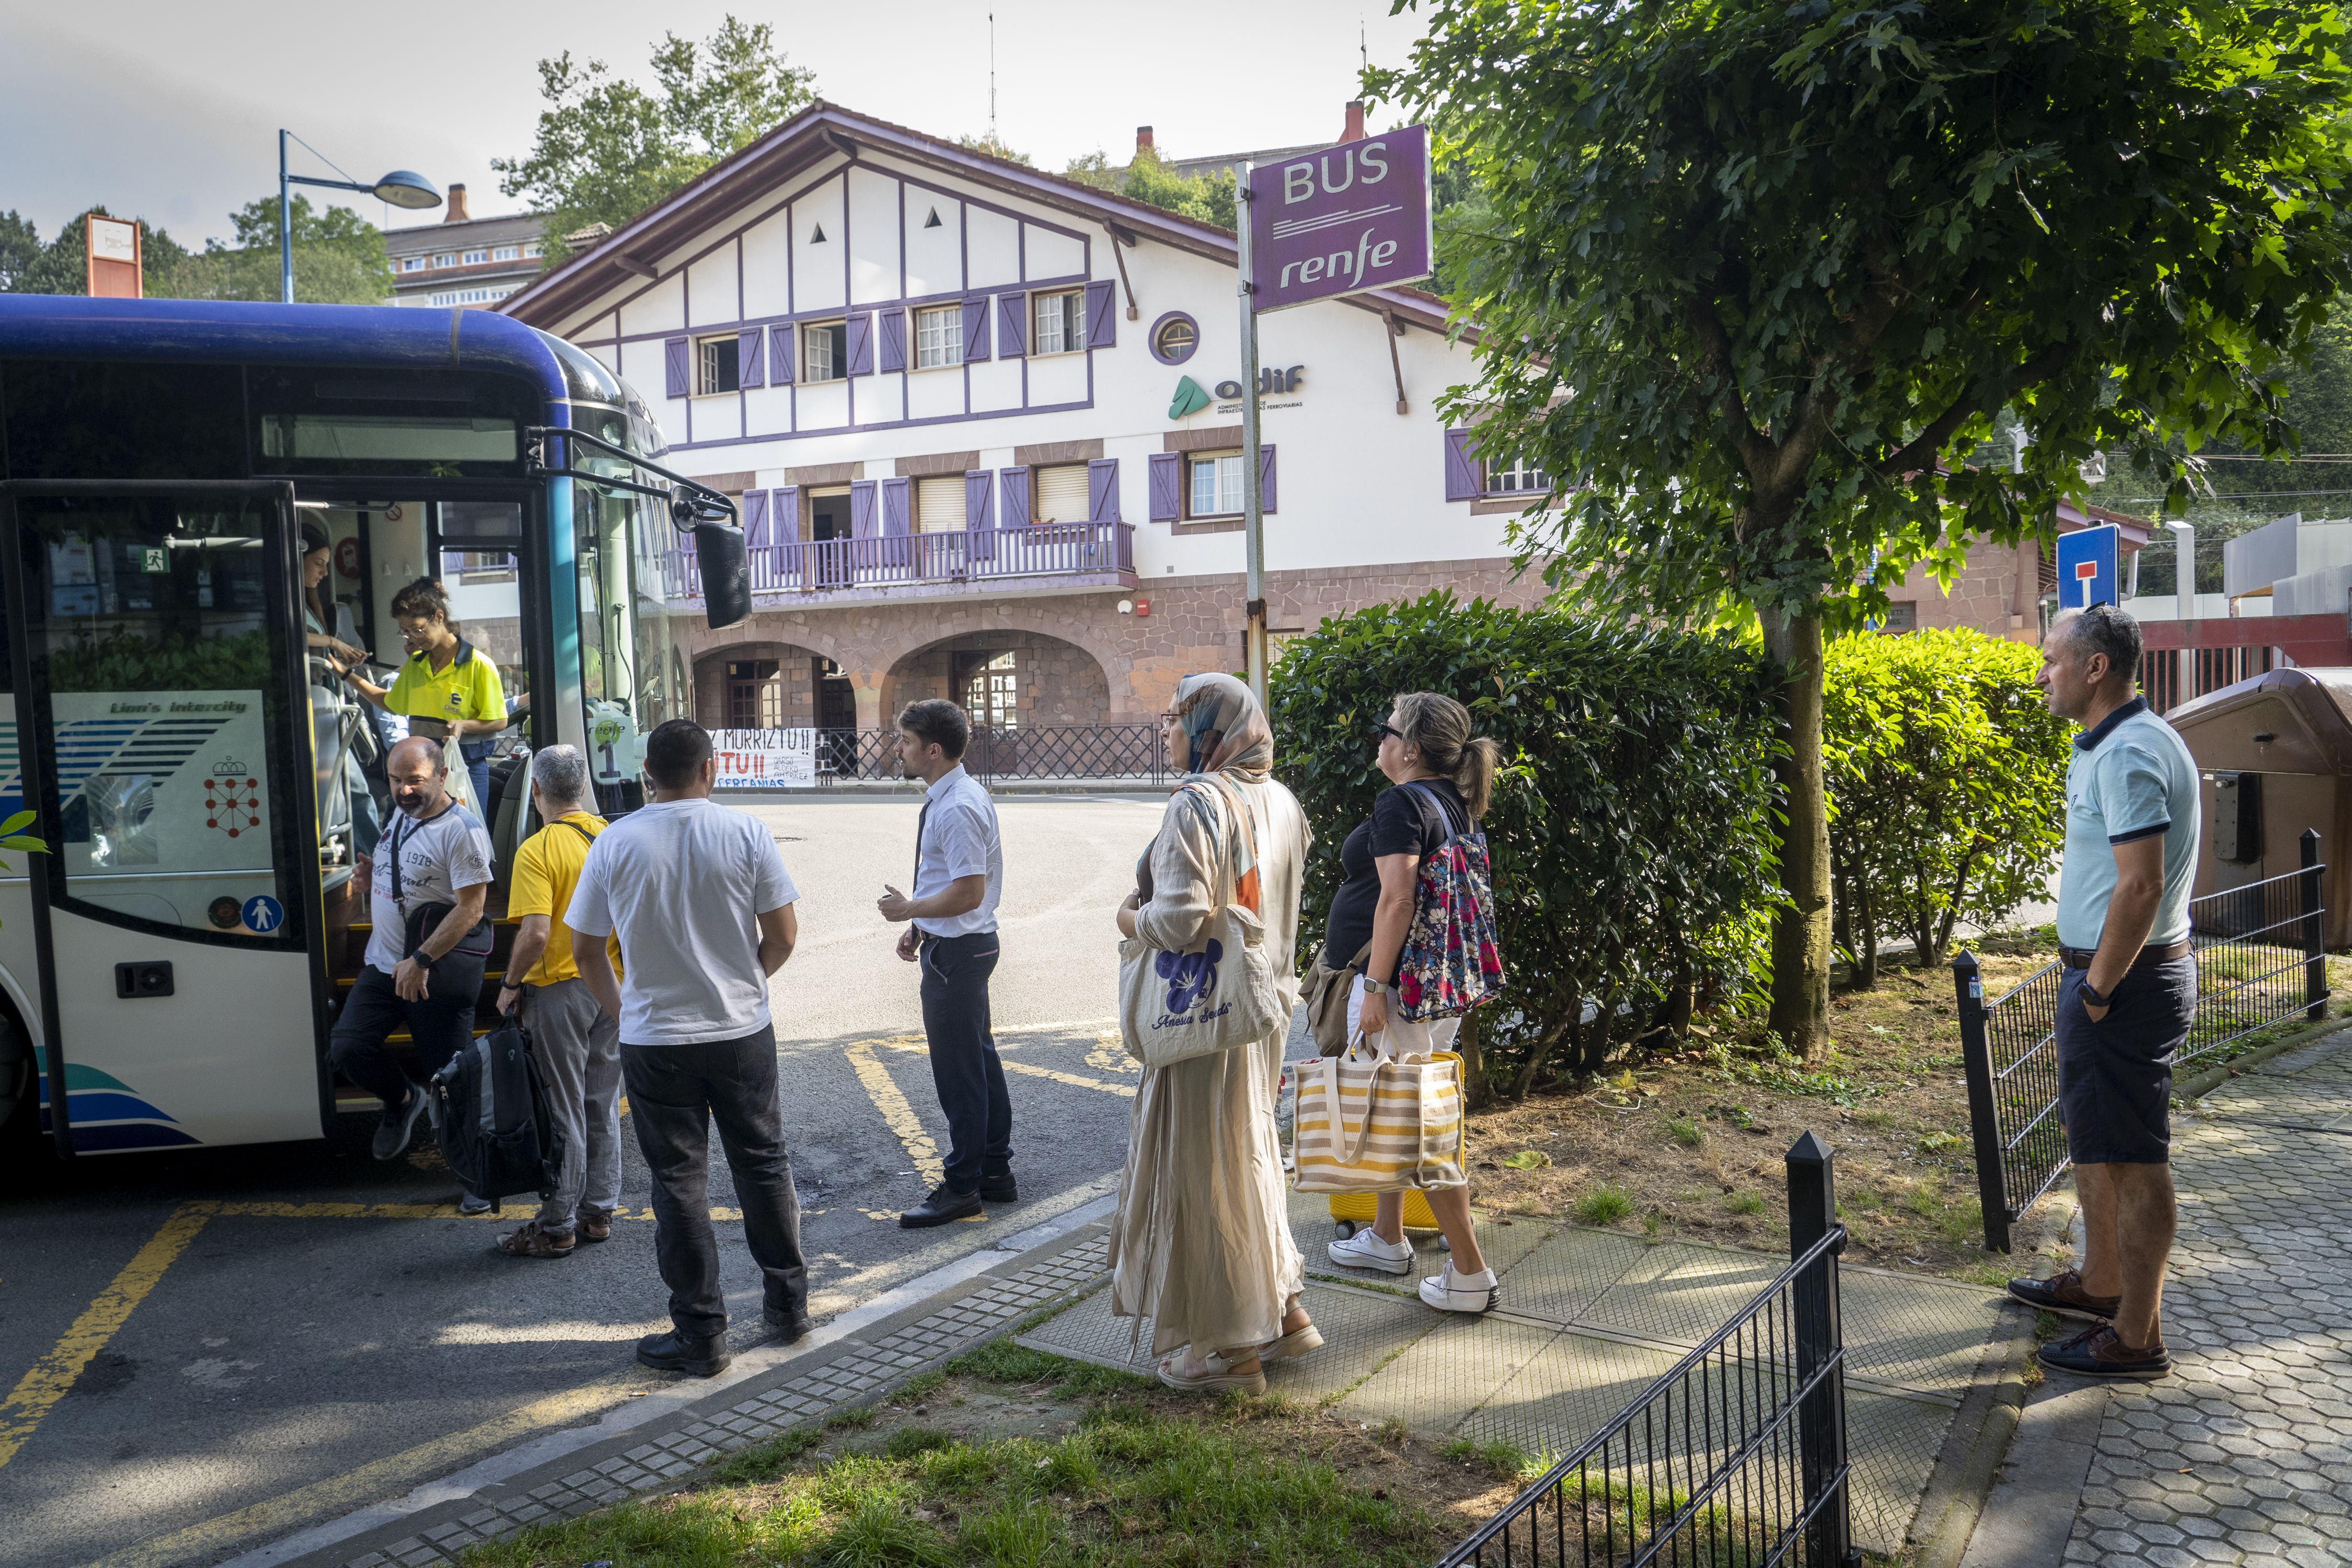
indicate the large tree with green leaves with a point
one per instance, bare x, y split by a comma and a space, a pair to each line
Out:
1759, 274
338, 258
607, 149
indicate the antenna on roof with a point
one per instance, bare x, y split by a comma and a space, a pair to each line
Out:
1363, 49
992, 140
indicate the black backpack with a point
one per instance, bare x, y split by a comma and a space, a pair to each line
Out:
489, 1107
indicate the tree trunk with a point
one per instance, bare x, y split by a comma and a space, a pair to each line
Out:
1800, 929
1865, 965
1476, 1092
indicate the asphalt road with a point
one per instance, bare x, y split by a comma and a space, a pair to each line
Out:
275, 1336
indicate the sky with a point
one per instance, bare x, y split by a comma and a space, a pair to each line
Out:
170, 112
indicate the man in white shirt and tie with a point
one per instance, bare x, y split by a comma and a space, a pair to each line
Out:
952, 931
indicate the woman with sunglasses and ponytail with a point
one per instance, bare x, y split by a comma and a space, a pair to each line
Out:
1441, 777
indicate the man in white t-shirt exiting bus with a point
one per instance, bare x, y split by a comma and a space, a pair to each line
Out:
703, 908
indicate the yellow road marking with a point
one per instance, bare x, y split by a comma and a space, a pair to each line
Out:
387, 1476
405, 1211
54, 1372
896, 1114
902, 1043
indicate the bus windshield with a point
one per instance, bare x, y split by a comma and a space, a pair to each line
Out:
633, 649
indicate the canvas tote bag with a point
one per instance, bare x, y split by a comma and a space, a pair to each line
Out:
1369, 1123
1219, 995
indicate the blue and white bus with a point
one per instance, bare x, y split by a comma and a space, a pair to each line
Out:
169, 968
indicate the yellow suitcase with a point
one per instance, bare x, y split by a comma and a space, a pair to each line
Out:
1352, 1211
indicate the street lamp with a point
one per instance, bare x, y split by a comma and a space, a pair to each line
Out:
402, 188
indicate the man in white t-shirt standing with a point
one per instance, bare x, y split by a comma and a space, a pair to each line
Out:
703, 908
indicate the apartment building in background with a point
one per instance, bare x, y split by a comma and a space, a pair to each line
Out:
464, 262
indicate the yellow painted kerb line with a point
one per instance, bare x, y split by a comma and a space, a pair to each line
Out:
896, 1114
54, 1372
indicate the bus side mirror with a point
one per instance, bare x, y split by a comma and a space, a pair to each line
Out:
726, 574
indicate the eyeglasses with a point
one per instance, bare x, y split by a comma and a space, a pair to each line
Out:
1381, 730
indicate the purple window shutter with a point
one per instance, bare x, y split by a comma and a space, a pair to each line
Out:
1167, 486
975, 330
1461, 467
784, 514
750, 367
1011, 498
1102, 316
978, 487
894, 340
1102, 490
781, 358
1011, 325
896, 517
861, 510
673, 365
755, 519
861, 344
1265, 478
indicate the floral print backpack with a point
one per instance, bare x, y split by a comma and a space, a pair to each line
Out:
1450, 962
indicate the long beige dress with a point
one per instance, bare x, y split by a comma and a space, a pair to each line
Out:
1201, 1242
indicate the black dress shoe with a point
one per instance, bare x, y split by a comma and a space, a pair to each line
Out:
675, 1352
999, 1189
940, 1207
790, 1327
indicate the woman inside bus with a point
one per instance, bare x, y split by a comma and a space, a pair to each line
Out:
317, 560
448, 689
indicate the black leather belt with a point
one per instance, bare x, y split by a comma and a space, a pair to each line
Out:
2080, 957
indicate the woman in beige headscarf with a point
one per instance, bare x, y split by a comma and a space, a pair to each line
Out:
1201, 1242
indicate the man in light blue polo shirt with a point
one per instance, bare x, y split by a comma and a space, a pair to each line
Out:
950, 920
2127, 993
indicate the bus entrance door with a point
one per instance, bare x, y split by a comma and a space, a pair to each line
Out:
163, 716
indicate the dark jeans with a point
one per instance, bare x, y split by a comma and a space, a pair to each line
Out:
965, 1068
676, 1093
438, 1024
2114, 1074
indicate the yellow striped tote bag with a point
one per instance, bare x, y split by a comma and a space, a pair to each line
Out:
1376, 1124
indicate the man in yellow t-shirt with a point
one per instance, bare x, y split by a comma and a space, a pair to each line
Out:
576, 1042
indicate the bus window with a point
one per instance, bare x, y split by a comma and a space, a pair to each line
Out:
629, 674
73, 418
152, 634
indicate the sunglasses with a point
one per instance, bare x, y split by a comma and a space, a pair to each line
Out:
1381, 730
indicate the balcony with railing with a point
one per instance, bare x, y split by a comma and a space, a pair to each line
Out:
1041, 558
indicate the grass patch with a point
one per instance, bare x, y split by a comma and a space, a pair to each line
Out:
1686, 1132
1002, 1361
1744, 1203
1504, 1461
1604, 1205
765, 1461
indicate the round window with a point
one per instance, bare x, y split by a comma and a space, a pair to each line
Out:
1174, 336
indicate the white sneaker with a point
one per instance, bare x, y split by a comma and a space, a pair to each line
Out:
1366, 1250
1451, 1292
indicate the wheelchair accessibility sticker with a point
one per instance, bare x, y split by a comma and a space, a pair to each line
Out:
263, 913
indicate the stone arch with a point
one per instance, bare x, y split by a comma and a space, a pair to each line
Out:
888, 640
790, 692
1049, 680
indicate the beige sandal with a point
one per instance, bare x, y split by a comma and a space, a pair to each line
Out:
1218, 1374
1292, 1345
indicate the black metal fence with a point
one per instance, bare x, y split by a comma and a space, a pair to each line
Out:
1736, 1456
2260, 960
1127, 754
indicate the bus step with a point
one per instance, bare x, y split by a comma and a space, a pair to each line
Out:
345, 982
403, 1037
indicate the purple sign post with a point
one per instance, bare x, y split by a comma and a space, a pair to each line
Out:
1348, 218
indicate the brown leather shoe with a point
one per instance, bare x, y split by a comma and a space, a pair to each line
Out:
2063, 1293
595, 1223
2101, 1352
535, 1240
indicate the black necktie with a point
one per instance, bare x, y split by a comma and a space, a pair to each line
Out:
921, 817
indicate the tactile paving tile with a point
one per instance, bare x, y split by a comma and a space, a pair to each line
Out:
1448, 1372
1364, 1330
1566, 1272
1891, 1445
1915, 1332
1682, 1294
1566, 1391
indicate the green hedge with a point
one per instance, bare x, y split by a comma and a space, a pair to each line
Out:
1946, 778
1629, 832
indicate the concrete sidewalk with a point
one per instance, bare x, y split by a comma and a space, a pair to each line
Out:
1591, 1318
2245, 1455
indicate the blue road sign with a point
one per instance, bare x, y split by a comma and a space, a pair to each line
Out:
263, 913
2086, 568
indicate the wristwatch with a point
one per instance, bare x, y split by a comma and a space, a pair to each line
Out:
1377, 987
2091, 997
417, 956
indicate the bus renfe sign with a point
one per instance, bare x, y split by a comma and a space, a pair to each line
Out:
1348, 218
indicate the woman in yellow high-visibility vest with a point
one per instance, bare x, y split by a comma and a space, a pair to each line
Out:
448, 688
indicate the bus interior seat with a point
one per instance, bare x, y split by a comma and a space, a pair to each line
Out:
514, 824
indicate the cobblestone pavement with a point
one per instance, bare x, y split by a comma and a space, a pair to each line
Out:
2245, 1456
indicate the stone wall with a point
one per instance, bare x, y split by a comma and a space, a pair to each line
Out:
1998, 594
1178, 626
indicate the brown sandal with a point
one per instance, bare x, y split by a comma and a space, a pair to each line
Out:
595, 1223
535, 1240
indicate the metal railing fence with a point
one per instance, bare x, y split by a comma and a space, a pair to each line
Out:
977, 555
1131, 753
1737, 1455
2260, 960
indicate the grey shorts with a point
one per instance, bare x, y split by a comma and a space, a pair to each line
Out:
2114, 1075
